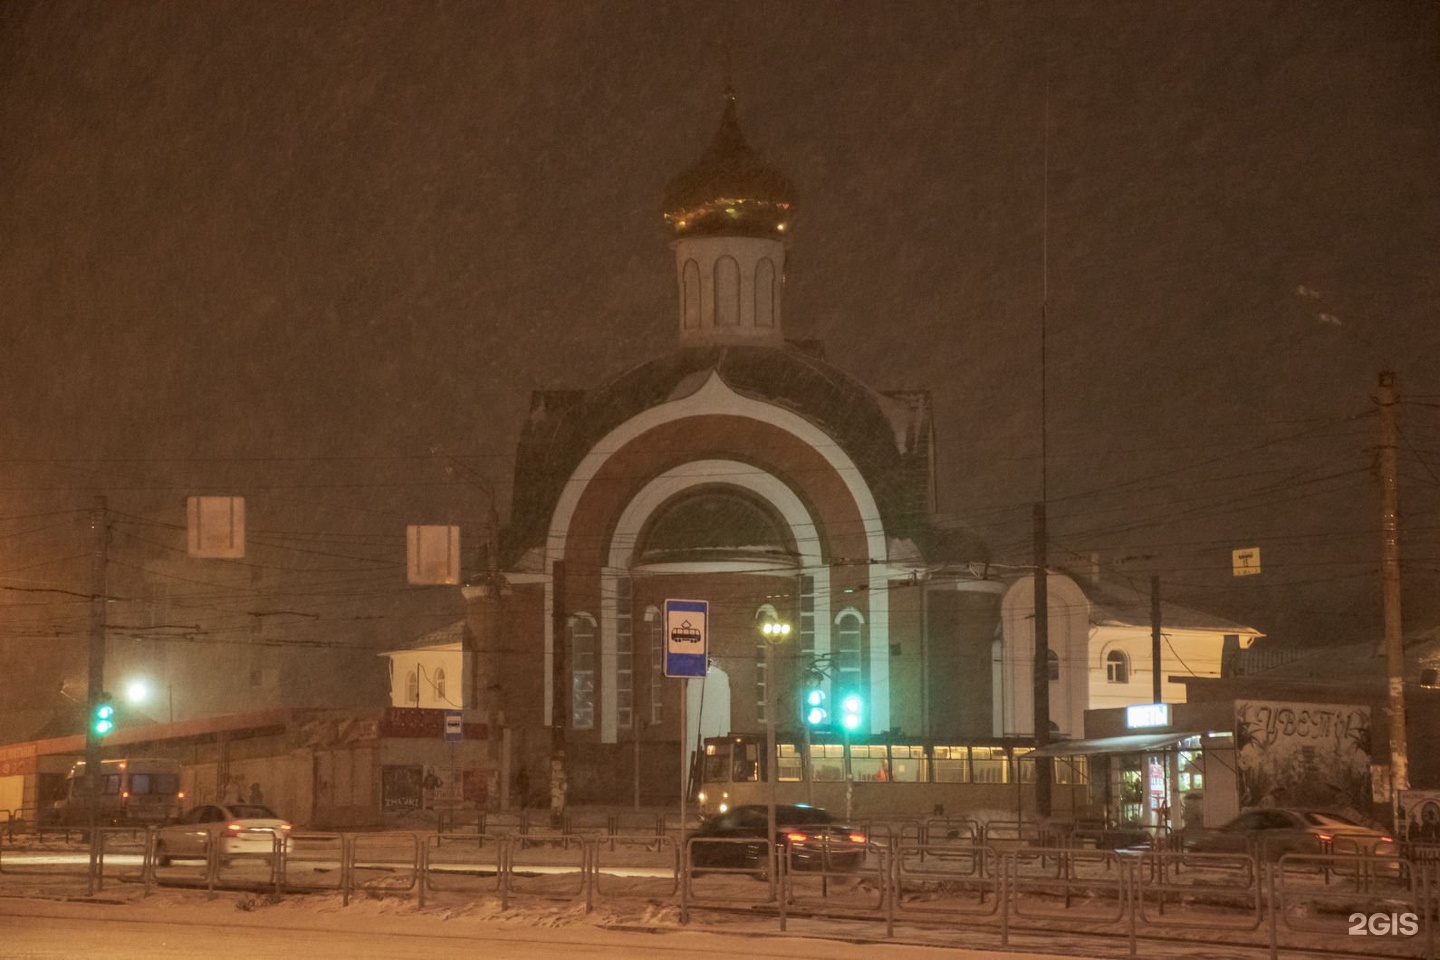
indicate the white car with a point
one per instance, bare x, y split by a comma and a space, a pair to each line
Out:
235, 830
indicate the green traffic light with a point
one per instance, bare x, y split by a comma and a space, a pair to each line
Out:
103, 721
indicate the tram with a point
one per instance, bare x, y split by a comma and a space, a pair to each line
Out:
132, 791
877, 778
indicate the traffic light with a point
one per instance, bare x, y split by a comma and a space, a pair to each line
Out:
817, 714
102, 718
852, 710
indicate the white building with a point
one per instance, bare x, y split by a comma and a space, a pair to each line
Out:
1100, 651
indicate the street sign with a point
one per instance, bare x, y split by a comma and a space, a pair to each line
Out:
454, 728
1245, 562
686, 638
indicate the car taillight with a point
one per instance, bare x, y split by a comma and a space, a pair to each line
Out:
1386, 840
1325, 837
124, 794
797, 837
857, 838
180, 795
284, 826
233, 827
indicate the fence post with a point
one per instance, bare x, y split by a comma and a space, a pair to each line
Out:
779, 859
589, 867
684, 877
504, 856
1130, 885
1003, 891
890, 883
1272, 905
347, 864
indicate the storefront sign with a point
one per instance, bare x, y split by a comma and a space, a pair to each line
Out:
1143, 716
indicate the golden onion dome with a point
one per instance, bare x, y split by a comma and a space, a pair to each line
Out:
729, 191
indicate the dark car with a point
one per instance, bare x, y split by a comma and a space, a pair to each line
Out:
813, 838
1274, 832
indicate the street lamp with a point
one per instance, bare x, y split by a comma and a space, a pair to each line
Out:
772, 631
138, 691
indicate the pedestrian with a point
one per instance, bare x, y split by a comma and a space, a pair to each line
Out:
256, 796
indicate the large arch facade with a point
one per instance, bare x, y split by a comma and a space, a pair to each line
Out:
717, 438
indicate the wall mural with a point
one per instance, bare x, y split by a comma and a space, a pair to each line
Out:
1302, 755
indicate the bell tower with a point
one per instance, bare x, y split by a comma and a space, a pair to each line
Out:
729, 214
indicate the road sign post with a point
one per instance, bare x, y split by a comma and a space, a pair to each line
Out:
687, 655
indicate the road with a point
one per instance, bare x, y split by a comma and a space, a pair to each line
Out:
216, 930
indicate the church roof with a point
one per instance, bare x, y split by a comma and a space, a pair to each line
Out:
729, 190
887, 436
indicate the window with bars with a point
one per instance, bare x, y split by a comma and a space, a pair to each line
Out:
762, 679
657, 664
582, 671
849, 653
624, 656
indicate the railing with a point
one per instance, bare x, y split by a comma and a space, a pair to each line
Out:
992, 883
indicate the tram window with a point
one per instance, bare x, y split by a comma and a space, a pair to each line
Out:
788, 763
717, 762
868, 762
1025, 765
988, 765
112, 784
908, 765
1071, 770
747, 765
827, 761
952, 765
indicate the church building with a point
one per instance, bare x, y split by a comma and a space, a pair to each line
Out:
741, 469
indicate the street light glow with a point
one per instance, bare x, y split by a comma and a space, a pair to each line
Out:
137, 691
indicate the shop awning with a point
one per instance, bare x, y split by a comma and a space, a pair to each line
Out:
1131, 743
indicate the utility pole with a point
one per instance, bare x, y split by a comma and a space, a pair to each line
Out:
1041, 671
1155, 638
559, 693
1390, 578
95, 689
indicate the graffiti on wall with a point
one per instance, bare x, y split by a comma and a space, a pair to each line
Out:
1302, 755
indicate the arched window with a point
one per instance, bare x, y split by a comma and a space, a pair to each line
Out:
412, 689
765, 294
690, 296
657, 664
727, 292
582, 671
440, 683
1054, 661
849, 653
1117, 667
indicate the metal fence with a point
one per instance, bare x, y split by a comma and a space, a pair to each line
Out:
945, 873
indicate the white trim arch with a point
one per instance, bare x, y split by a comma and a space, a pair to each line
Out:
715, 398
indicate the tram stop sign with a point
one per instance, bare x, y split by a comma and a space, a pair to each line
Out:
454, 727
686, 637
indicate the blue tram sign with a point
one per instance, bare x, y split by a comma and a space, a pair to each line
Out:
686, 638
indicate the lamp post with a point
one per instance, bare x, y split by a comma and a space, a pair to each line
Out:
772, 631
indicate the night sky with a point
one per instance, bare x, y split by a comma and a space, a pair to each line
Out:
321, 253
